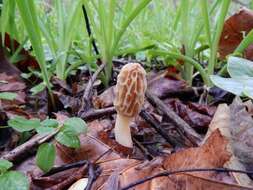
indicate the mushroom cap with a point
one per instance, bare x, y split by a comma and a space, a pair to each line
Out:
130, 90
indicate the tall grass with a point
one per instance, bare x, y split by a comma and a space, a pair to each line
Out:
192, 22
28, 14
109, 23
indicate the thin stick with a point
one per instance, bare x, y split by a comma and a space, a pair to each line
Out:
18, 152
182, 126
55, 170
147, 154
87, 24
71, 179
86, 103
93, 174
154, 124
186, 92
97, 113
168, 173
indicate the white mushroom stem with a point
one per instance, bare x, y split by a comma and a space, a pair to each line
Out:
122, 131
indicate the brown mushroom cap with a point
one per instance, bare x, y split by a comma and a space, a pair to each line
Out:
130, 90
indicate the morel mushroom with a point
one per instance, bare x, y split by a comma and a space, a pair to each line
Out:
130, 92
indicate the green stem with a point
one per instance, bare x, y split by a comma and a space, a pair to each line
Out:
239, 50
128, 21
206, 21
244, 43
223, 70
216, 38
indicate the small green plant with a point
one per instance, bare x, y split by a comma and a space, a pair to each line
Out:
213, 40
109, 27
59, 35
240, 83
189, 23
12, 180
29, 17
66, 134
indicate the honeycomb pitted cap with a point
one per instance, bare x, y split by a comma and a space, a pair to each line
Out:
130, 90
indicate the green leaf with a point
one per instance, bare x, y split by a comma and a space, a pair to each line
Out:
48, 126
76, 125
21, 124
44, 130
5, 165
68, 138
239, 67
8, 95
13, 181
239, 86
38, 88
50, 123
45, 156
228, 84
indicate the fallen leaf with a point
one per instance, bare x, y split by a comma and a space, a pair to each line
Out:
13, 84
235, 124
235, 28
212, 154
27, 61
162, 83
105, 99
5, 65
196, 115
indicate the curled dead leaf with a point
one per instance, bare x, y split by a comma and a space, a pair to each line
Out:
235, 28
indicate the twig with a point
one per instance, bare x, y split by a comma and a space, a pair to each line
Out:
86, 102
153, 123
71, 179
20, 151
147, 154
168, 173
186, 92
55, 170
95, 114
182, 126
87, 24
93, 174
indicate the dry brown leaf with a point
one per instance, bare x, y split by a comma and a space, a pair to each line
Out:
233, 32
162, 83
235, 125
105, 99
212, 154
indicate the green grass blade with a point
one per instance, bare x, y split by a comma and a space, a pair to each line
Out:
128, 21
215, 41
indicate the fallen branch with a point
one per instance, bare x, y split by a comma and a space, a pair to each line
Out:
146, 153
17, 153
71, 179
182, 126
154, 124
186, 92
96, 114
55, 170
168, 173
